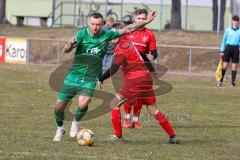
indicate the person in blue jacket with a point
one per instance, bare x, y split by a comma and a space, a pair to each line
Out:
229, 50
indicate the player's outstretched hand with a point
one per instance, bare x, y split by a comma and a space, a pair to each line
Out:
150, 57
99, 84
221, 54
152, 16
73, 40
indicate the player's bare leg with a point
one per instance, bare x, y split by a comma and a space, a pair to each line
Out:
81, 110
154, 111
59, 116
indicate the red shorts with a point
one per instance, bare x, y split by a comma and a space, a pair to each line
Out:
140, 102
147, 101
134, 91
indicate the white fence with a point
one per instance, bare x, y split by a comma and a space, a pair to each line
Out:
174, 57
189, 50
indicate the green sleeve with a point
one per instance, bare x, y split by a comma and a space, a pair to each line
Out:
114, 34
79, 36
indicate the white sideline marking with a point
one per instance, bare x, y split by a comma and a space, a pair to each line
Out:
172, 73
21, 153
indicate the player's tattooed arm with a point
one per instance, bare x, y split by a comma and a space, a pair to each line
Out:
135, 26
70, 45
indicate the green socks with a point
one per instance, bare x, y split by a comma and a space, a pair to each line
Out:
80, 113
59, 116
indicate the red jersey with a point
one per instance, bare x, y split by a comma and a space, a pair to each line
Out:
127, 55
138, 83
143, 39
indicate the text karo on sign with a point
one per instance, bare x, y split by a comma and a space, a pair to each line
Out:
16, 50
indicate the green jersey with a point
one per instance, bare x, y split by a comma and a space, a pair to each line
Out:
87, 64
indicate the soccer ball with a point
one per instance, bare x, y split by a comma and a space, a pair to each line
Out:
86, 137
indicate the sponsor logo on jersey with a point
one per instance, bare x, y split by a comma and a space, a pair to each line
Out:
93, 51
139, 44
144, 39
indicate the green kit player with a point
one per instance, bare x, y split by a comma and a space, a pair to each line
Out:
91, 44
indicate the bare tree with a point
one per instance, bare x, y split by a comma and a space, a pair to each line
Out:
176, 15
223, 8
2, 11
215, 14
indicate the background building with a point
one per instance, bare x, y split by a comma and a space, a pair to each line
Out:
197, 16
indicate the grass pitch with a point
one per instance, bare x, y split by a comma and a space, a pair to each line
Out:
206, 119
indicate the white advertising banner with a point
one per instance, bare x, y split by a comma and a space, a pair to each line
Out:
16, 50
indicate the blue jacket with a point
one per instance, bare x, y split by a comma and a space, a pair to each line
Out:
231, 37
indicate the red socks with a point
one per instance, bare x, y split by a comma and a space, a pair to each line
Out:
137, 109
127, 108
116, 122
164, 123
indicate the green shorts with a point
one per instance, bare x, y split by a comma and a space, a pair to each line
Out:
73, 86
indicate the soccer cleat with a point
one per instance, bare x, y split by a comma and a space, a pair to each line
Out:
219, 84
173, 140
233, 85
127, 123
114, 138
59, 135
136, 125
74, 129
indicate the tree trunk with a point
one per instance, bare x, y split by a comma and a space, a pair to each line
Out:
176, 15
223, 8
2, 11
215, 14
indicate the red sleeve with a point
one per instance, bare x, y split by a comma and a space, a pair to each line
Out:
152, 43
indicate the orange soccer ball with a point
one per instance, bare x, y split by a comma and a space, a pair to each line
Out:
86, 137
